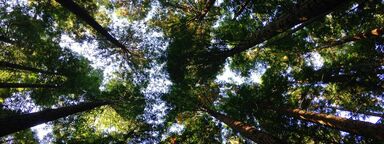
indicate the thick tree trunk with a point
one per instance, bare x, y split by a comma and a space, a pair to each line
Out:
340, 123
28, 85
246, 130
83, 14
13, 124
26, 68
374, 33
307, 10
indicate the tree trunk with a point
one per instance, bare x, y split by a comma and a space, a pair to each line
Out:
374, 33
13, 124
246, 130
340, 123
83, 14
26, 68
28, 85
307, 10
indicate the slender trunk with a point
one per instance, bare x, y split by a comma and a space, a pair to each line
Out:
340, 123
374, 33
28, 85
246, 130
13, 124
83, 14
21, 67
306, 11
205, 11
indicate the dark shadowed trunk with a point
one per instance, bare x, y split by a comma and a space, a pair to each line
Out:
246, 130
26, 68
13, 124
340, 123
28, 85
84, 15
306, 11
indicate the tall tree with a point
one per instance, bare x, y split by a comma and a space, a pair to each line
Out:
304, 12
83, 14
15, 123
340, 123
245, 129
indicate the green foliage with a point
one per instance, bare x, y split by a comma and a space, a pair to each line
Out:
22, 137
198, 129
100, 125
127, 98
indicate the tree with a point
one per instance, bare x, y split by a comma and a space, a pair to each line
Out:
15, 123
245, 129
206, 58
352, 126
133, 56
83, 14
306, 11
297, 65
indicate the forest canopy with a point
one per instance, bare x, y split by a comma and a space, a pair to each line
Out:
192, 71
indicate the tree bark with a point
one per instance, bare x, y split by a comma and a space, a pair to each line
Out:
374, 33
13, 124
340, 123
83, 14
246, 130
307, 10
28, 85
26, 68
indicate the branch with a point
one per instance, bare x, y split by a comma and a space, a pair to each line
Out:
83, 14
373, 33
308, 10
242, 8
